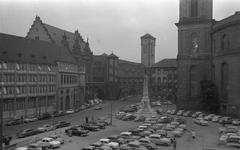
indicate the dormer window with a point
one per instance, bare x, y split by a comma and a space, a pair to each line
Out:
36, 37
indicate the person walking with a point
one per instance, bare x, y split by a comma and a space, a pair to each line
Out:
174, 144
193, 134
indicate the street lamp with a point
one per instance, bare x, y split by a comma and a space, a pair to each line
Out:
1, 117
54, 105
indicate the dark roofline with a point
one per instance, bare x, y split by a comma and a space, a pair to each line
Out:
13, 45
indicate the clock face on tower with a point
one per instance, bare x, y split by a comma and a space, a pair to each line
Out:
195, 43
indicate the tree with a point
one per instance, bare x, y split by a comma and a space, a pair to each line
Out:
209, 96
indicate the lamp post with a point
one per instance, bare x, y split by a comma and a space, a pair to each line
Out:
53, 119
1, 117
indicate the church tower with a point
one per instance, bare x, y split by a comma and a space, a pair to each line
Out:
148, 50
194, 50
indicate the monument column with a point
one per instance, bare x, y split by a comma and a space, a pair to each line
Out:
147, 59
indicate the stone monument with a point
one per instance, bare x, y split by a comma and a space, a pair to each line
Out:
147, 59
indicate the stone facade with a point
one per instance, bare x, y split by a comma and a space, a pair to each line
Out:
207, 50
148, 50
226, 62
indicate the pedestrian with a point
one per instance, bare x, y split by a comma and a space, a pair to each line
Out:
174, 144
193, 135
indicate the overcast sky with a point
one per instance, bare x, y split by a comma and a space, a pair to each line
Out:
110, 25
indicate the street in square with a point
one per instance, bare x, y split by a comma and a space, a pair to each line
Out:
119, 75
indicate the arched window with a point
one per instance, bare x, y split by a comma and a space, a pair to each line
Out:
194, 8
224, 80
225, 42
193, 81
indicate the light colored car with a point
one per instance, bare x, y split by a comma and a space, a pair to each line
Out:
143, 127
183, 126
165, 141
57, 138
104, 141
175, 123
26, 120
177, 132
114, 145
21, 148
155, 138
70, 111
45, 127
162, 132
125, 134
209, 117
203, 122
233, 140
236, 122
216, 118
147, 143
169, 127
49, 142
222, 139
180, 112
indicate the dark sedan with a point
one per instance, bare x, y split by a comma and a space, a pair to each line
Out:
27, 132
90, 127
62, 124
77, 131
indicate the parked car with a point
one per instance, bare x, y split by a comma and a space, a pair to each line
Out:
98, 107
49, 142
13, 122
178, 132
57, 138
45, 116
45, 127
58, 114
180, 112
90, 127
70, 111
34, 146
209, 117
162, 133
216, 118
236, 122
225, 120
62, 124
21, 148
27, 132
139, 119
26, 120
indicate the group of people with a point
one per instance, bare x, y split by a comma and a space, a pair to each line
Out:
6, 140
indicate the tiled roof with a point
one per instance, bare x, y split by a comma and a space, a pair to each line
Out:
169, 62
57, 34
147, 36
15, 48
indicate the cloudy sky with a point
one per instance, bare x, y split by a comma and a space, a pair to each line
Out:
111, 25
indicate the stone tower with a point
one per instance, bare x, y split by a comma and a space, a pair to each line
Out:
147, 59
148, 50
194, 50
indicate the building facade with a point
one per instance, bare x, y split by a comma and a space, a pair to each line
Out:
30, 78
163, 80
207, 50
72, 41
226, 62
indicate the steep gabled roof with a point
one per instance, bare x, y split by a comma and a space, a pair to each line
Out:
148, 36
15, 48
166, 63
56, 35
113, 55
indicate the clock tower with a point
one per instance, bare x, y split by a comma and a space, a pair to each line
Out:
194, 50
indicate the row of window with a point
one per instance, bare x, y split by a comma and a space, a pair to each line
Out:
69, 79
10, 90
25, 67
20, 104
27, 78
